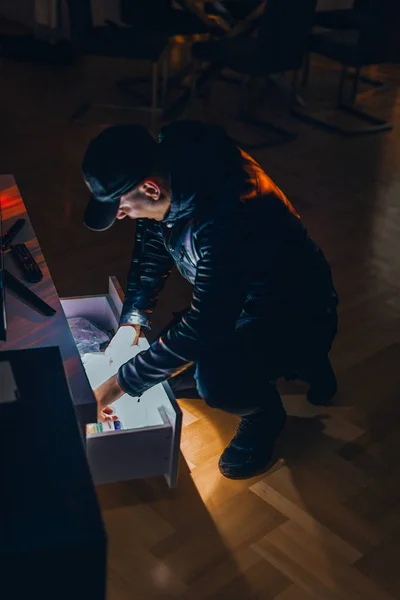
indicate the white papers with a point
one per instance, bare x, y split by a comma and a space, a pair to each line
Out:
131, 413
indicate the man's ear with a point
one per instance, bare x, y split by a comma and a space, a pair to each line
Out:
151, 189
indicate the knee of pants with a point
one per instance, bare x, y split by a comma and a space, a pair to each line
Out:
219, 390
210, 388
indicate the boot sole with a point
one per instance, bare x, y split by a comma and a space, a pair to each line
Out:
260, 471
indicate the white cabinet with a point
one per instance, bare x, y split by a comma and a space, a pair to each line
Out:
147, 445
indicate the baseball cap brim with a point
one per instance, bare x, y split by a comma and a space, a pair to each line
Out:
99, 216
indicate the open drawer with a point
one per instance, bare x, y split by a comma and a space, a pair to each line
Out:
148, 442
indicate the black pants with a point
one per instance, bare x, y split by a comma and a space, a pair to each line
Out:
240, 376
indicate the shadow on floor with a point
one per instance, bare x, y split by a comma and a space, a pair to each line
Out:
162, 542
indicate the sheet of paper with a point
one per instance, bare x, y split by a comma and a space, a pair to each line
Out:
131, 413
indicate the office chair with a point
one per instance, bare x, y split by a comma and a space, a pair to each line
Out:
354, 49
232, 12
111, 40
279, 47
168, 21
345, 19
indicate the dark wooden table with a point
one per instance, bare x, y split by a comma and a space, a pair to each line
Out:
27, 328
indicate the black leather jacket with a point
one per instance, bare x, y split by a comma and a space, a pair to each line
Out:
232, 234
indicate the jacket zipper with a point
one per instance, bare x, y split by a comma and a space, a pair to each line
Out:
185, 254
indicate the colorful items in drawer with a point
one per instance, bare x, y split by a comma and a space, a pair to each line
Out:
95, 428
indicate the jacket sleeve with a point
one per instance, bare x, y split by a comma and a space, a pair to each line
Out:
150, 268
218, 297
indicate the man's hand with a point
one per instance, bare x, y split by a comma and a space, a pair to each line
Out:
126, 337
107, 393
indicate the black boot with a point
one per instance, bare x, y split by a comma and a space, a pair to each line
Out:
323, 384
251, 450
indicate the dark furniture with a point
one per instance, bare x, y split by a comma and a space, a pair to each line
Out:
278, 47
120, 42
354, 49
163, 17
348, 18
27, 328
166, 21
345, 19
232, 11
245, 20
52, 540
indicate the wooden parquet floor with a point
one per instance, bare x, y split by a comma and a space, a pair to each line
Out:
324, 522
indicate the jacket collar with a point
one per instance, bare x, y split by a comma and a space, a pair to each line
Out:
183, 204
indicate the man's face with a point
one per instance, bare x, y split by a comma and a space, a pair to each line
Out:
146, 201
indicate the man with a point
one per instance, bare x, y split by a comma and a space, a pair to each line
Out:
263, 304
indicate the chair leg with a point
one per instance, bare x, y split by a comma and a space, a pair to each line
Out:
129, 84
354, 90
154, 97
371, 81
165, 76
342, 81
290, 90
185, 101
204, 87
193, 88
206, 100
375, 86
374, 124
306, 70
279, 134
244, 95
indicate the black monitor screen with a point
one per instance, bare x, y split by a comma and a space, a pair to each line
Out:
3, 323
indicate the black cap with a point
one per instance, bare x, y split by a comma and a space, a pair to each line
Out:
115, 162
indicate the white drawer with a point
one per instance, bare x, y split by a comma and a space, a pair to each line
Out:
148, 443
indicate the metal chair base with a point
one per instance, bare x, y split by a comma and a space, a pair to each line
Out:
373, 124
129, 86
376, 85
277, 135
376, 125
